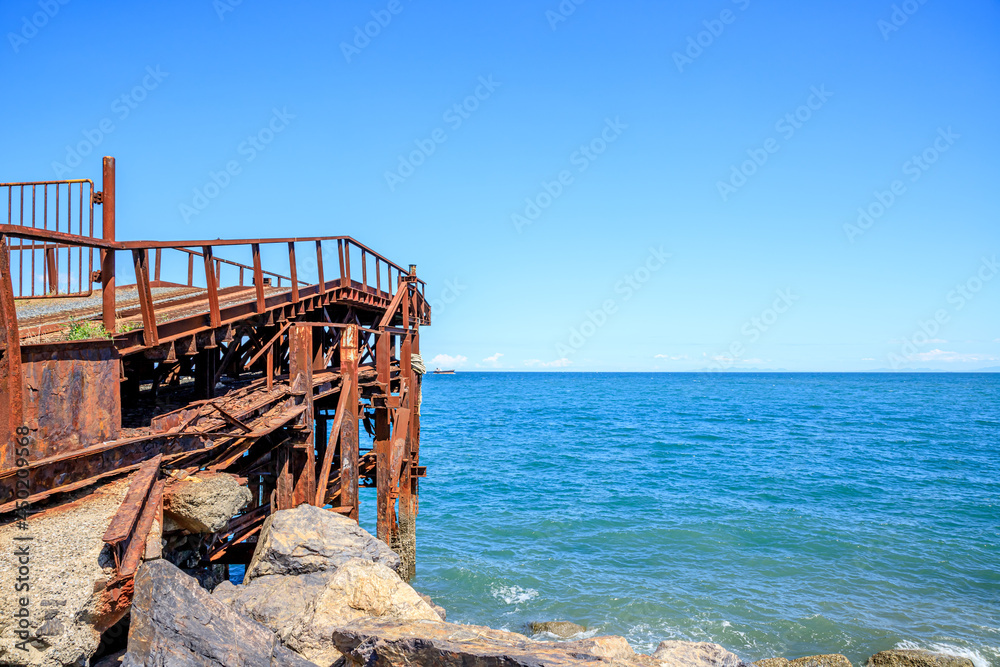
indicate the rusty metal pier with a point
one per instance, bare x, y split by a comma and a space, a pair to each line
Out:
207, 361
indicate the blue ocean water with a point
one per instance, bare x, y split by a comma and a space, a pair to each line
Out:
775, 514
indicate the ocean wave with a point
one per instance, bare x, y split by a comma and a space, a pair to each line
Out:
514, 594
977, 658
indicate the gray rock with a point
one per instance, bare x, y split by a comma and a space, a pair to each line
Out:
204, 503
177, 623
695, 654
563, 629
917, 658
436, 607
423, 644
69, 604
305, 610
311, 539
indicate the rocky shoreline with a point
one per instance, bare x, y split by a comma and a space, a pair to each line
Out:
322, 591
319, 590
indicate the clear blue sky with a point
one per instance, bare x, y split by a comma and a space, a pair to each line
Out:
663, 120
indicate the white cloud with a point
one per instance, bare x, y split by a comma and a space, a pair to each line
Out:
667, 356
868, 359
996, 340
948, 356
538, 363
448, 361
494, 358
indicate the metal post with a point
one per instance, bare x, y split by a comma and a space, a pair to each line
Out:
349, 424
108, 256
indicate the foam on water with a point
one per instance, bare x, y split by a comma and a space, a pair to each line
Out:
977, 658
513, 594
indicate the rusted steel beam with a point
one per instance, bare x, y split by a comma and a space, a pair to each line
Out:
319, 267
11, 384
137, 543
293, 270
108, 256
231, 419
268, 345
141, 259
397, 300
58, 474
400, 437
302, 453
346, 391
215, 318
125, 518
349, 424
383, 474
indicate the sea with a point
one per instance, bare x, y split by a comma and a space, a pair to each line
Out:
777, 514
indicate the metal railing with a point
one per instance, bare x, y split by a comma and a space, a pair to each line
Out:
45, 269
48, 241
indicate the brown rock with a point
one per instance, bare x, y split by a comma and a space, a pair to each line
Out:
695, 654
436, 607
563, 629
824, 660
772, 662
917, 658
203, 503
305, 610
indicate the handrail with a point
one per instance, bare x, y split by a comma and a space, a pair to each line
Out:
18, 231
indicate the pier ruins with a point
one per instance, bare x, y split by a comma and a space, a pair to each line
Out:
207, 362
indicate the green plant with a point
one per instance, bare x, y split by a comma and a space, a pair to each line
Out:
84, 330
125, 327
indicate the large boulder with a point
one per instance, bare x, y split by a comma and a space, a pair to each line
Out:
424, 643
305, 610
177, 623
695, 654
917, 658
563, 629
69, 569
311, 539
204, 503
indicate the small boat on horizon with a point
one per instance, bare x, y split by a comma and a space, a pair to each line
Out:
438, 371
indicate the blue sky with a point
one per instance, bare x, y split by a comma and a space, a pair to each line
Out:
622, 186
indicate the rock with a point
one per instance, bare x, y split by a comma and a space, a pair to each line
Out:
436, 607
917, 658
424, 643
311, 539
177, 623
825, 660
70, 566
695, 654
563, 629
305, 610
204, 503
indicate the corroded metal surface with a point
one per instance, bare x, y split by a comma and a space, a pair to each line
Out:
227, 367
